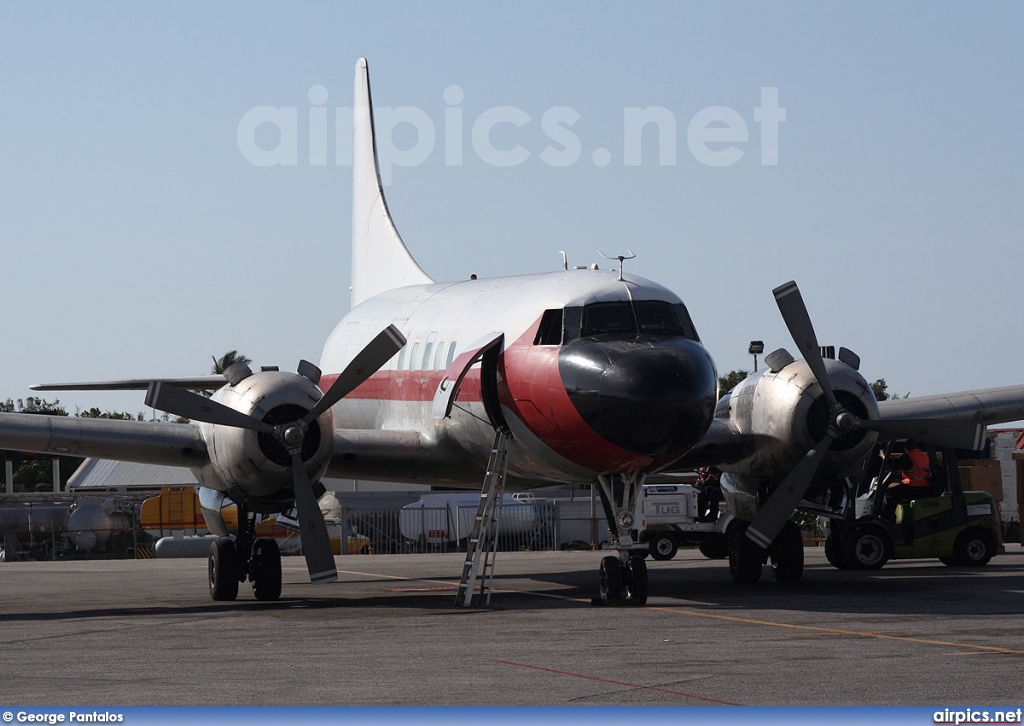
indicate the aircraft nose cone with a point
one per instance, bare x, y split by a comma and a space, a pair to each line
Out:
651, 396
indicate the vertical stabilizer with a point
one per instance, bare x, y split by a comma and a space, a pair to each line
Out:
380, 260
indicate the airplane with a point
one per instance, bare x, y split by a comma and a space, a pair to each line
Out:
586, 375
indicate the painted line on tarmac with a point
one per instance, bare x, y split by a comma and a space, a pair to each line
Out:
839, 631
626, 684
617, 683
976, 649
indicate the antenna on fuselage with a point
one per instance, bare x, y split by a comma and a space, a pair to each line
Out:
630, 254
565, 259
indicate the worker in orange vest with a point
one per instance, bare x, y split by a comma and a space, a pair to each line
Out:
914, 471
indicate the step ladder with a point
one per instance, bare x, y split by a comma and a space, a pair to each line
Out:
478, 571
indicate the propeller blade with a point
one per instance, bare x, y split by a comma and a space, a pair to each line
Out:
180, 402
781, 503
939, 432
794, 313
316, 543
367, 362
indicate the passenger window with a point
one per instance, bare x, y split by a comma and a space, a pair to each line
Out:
414, 358
401, 357
657, 317
550, 330
439, 356
427, 351
611, 317
451, 355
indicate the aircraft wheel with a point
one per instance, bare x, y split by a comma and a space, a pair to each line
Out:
266, 570
973, 548
611, 581
745, 557
223, 569
787, 553
636, 581
867, 549
662, 546
716, 548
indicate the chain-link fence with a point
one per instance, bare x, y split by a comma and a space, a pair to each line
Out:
523, 525
540, 526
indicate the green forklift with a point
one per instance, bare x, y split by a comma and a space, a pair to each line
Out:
957, 527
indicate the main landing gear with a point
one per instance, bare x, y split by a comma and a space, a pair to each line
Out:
746, 558
623, 577
233, 561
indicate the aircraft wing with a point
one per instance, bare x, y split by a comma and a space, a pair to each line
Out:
722, 444
150, 442
986, 406
199, 383
369, 454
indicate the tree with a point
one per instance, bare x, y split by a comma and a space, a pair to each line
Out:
119, 415
33, 405
881, 390
229, 359
728, 382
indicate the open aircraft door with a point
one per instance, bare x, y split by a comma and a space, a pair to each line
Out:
486, 352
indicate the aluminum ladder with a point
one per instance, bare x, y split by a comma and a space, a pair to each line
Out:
478, 570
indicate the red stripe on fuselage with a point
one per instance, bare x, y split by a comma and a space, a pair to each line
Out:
407, 386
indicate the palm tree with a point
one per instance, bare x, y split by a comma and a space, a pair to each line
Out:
229, 359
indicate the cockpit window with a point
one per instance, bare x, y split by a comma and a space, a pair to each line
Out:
657, 317
609, 317
683, 316
572, 323
651, 316
550, 330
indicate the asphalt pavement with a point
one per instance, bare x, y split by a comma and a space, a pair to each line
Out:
145, 632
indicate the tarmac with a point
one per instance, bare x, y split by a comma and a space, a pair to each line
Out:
144, 632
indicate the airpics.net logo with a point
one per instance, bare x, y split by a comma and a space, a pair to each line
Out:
716, 136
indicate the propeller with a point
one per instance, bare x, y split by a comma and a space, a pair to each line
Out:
784, 499
316, 543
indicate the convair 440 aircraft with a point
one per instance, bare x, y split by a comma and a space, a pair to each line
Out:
583, 376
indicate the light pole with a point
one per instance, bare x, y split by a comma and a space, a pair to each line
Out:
756, 348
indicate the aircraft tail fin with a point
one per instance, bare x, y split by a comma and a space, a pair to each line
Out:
380, 259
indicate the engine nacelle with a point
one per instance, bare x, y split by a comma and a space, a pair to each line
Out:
787, 413
254, 467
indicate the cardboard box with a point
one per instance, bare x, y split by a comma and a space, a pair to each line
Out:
985, 478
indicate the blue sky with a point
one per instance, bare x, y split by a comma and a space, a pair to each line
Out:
139, 241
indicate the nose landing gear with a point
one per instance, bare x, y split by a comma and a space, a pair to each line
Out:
623, 578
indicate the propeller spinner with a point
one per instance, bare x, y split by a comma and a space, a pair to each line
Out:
784, 499
290, 435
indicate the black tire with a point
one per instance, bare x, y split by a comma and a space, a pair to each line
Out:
745, 557
869, 548
834, 550
611, 581
223, 570
265, 570
974, 547
947, 561
716, 548
662, 546
636, 585
787, 554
